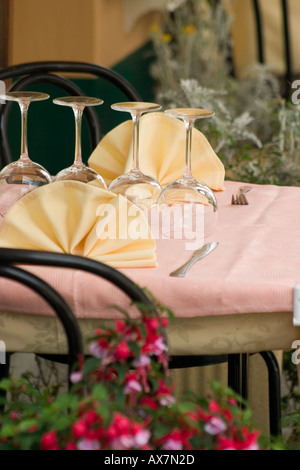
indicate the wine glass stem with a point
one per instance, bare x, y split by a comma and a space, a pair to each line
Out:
188, 149
78, 111
24, 105
135, 141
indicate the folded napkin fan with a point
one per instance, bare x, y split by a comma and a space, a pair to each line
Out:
161, 151
80, 219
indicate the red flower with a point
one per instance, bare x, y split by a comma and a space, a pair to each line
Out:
121, 424
71, 446
32, 428
122, 351
13, 415
79, 429
149, 402
120, 326
214, 406
49, 441
152, 324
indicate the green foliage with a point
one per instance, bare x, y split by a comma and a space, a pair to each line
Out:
255, 131
121, 398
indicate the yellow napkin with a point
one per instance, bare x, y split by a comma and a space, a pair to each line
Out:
162, 152
81, 219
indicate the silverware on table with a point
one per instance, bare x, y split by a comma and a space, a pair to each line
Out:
240, 199
198, 254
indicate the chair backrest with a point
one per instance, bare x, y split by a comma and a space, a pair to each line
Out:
261, 54
9, 258
57, 74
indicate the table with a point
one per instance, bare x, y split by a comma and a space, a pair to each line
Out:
237, 300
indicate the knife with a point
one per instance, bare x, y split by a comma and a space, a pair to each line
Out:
198, 254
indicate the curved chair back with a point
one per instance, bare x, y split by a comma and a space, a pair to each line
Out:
261, 55
56, 73
9, 258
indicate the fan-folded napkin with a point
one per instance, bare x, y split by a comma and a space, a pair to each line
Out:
162, 143
80, 219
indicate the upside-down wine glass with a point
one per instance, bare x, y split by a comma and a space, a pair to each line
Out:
194, 203
79, 171
24, 170
143, 190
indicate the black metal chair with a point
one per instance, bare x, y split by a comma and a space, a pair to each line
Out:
11, 258
238, 378
22, 76
289, 72
237, 363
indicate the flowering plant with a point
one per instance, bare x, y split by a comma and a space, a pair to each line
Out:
254, 131
122, 398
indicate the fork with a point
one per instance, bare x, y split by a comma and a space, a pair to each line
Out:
240, 199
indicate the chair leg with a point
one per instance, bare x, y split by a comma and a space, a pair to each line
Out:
235, 372
274, 392
4, 374
245, 369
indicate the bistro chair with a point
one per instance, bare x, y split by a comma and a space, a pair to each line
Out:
290, 73
57, 73
10, 259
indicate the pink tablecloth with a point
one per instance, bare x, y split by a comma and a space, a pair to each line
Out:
254, 269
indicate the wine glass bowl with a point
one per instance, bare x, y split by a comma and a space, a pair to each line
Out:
143, 190
192, 202
78, 171
24, 170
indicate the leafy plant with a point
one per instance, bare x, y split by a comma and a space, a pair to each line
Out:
121, 398
255, 130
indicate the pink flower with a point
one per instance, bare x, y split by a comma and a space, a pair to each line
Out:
132, 384
215, 426
88, 444
172, 444
173, 440
143, 361
141, 438
159, 346
140, 435
97, 351
76, 377
121, 443
167, 400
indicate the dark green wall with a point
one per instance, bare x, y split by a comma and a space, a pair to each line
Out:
51, 127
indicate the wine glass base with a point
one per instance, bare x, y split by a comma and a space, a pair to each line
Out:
25, 172
140, 189
81, 173
188, 210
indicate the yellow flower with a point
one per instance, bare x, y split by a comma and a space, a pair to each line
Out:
166, 37
189, 29
154, 28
